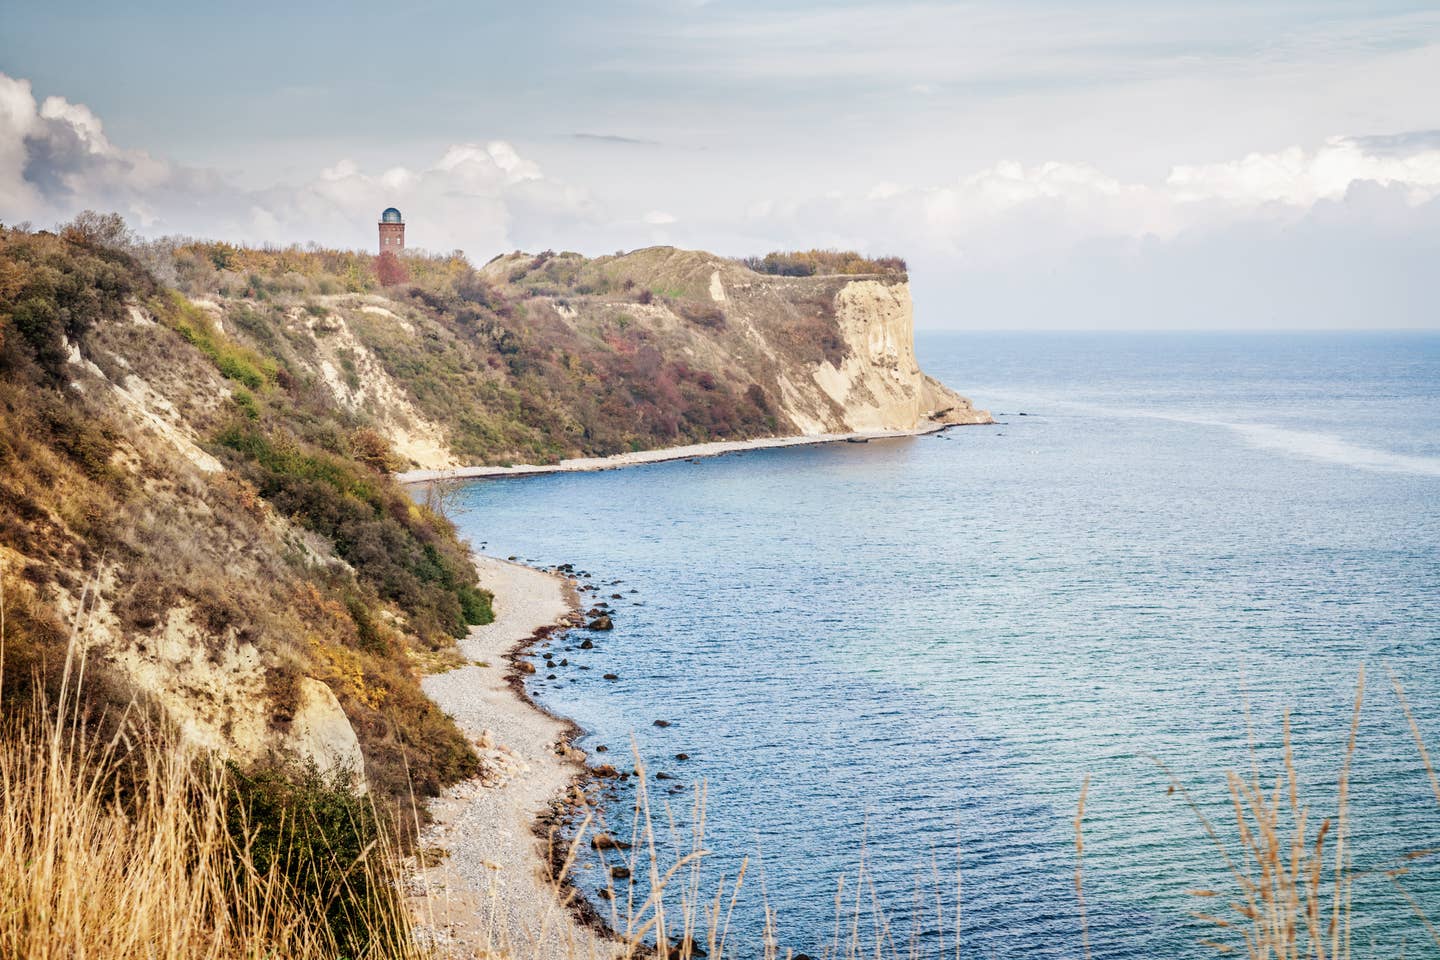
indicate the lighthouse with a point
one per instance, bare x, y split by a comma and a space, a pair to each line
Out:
392, 231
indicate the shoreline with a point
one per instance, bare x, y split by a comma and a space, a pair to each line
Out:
619, 461
492, 893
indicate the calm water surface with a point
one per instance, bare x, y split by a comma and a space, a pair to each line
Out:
917, 650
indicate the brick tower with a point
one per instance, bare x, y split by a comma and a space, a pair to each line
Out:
392, 231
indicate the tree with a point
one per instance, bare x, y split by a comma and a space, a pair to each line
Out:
98, 230
390, 270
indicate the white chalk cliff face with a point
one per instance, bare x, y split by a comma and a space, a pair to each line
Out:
210, 682
879, 384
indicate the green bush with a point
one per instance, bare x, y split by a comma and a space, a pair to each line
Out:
234, 361
317, 832
406, 553
808, 263
245, 400
60, 288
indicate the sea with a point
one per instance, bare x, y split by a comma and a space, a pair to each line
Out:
897, 668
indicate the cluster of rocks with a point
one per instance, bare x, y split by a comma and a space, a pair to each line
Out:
605, 781
598, 618
499, 764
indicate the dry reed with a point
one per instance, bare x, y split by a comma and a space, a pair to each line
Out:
121, 849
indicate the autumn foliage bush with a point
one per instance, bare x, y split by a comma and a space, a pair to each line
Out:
390, 270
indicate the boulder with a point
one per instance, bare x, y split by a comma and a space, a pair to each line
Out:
686, 946
603, 841
602, 622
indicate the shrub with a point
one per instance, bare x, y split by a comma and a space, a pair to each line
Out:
55, 289
373, 450
245, 401
807, 263
389, 270
316, 833
706, 315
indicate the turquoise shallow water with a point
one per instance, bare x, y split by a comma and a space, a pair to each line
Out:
920, 648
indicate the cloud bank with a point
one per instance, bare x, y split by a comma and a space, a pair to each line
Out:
1340, 234
1012, 211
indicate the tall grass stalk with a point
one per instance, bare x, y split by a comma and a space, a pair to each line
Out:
1292, 868
120, 848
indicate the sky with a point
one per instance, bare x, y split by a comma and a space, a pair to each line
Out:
1133, 164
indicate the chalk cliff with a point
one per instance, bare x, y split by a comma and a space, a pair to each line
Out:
836, 352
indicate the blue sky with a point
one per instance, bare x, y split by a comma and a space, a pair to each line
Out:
1041, 164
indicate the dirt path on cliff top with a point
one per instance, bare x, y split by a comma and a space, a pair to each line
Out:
489, 896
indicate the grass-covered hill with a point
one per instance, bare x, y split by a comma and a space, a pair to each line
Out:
200, 534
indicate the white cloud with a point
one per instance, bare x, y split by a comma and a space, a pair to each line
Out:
659, 218
1011, 211
55, 160
57, 150
1300, 178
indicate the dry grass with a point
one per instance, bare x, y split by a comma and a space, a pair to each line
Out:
121, 849
1293, 869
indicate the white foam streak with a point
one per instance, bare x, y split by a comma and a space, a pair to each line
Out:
1333, 449
1306, 444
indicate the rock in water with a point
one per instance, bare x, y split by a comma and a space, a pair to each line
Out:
603, 841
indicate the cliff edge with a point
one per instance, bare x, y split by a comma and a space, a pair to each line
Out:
836, 352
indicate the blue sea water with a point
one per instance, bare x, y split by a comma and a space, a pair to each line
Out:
914, 652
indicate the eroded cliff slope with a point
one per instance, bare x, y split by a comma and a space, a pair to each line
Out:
215, 538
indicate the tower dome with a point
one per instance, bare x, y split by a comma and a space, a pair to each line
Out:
392, 231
